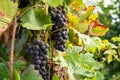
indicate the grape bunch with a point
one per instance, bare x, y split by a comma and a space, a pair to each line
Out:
59, 29
38, 51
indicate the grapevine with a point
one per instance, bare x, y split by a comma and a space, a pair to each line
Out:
54, 40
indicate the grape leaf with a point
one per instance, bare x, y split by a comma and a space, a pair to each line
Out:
89, 10
7, 12
30, 74
53, 3
99, 30
74, 49
63, 63
110, 54
19, 65
36, 19
82, 27
55, 77
4, 71
98, 42
16, 75
83, 39
81, 65
99, 76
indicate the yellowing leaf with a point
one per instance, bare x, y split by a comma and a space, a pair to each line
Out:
88, 12
72, 18
99, 30
105, 42
8, 10
93, 17
90, 8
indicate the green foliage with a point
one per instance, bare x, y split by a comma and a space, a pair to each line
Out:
16, 75
4, 74
36, 19
8, 10
54, 3
86, 57
30, 74
19, 65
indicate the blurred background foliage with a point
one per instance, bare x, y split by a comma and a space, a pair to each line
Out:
110, 16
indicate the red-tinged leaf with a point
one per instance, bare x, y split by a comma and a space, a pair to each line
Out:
8, 10
99, 30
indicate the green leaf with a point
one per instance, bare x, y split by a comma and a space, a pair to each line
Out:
82, 39
97, 65
53, 3
4, 71
30, 74
82, 27
63, 63
98, 43
110, 54
74, 49
99, 76
16, 75
19, 65
36, 19
8, 10
55, 77
81, 65
88, 42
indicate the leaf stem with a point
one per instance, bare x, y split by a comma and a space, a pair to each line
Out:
12, 47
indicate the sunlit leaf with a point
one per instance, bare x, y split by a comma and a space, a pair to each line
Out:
74, 49
99, 30
63, 63
82, 27
93, 17
110, 54
73, 18
79, 64
16, 75
89, 10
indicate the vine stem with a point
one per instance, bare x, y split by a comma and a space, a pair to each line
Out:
12, 47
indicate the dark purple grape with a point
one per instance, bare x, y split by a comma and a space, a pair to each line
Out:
63, 11
38, 62
35, 52
35, 47
37, 67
